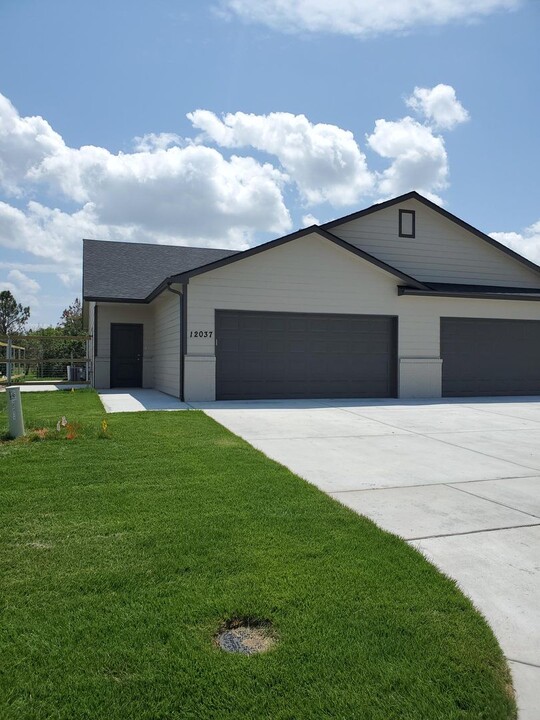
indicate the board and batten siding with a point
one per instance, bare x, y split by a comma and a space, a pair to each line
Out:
311, 274
123, 313
441, 250
166, 310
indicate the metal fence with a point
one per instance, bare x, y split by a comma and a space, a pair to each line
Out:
35, 358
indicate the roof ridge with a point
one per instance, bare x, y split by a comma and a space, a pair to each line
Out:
164, 245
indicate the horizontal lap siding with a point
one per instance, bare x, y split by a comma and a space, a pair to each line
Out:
441, 251
167, 343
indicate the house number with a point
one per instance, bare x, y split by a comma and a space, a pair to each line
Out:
201, 333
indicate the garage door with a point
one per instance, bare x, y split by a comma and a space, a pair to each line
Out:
297, 355
490, 357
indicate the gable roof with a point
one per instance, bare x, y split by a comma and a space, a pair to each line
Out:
138, 272
313, 229
131, 271
414, 195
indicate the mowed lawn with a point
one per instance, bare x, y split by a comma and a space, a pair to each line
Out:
122, 555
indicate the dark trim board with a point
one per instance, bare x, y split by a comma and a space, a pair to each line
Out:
527, 295
271, 355
183, 340
401, 233
95, 330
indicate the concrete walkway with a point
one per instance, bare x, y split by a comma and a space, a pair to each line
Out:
460, 480
138, 399
49, 387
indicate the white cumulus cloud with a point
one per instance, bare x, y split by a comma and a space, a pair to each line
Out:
419, 158
23, 288
439, 105
526, 243
184, 191
156, 141
361, 18
309, 219
323, 160
24, 143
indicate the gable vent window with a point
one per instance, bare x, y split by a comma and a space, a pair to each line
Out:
407, 223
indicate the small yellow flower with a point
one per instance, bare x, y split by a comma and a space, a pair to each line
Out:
104, 426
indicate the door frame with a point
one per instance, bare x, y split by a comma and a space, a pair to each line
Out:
112, 368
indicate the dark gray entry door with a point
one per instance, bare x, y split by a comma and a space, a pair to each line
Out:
490, 357
126, 354
263, 355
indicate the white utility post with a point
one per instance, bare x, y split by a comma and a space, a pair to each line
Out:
15, 414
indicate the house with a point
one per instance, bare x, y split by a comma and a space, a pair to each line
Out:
402, 299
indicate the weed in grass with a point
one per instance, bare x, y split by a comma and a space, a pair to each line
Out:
103, 433
38, 435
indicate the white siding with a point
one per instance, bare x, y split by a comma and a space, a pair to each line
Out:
123, 313
166, 310
311, 274
442, 251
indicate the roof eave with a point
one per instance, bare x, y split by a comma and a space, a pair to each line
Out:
97, 298
476, 295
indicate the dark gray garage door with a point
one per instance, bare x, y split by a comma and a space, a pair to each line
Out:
297, 355
490, 357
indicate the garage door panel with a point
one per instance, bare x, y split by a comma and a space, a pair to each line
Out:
487, 356
292, 355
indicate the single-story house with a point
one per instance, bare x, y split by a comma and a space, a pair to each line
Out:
402, 299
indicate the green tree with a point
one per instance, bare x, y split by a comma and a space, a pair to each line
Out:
71, 321
13, 316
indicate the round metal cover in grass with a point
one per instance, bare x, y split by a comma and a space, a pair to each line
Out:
247, 637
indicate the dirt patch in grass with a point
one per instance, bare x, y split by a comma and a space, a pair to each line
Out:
246, 636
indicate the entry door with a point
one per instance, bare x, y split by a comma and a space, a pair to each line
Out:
126, 354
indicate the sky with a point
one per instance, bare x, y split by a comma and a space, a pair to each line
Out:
227, 123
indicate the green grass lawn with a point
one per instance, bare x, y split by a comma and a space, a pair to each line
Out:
122, 555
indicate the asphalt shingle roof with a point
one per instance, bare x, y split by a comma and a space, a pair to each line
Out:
131, 271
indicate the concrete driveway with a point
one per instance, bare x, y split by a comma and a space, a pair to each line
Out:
460, 480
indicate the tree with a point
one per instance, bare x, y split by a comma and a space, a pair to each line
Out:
71, 321
13, 316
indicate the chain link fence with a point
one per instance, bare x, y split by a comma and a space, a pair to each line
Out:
35, 358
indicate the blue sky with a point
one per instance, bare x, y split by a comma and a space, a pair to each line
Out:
232, 122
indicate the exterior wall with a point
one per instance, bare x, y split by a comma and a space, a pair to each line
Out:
90, 343
442, 251
311, 274
123, 313
166, 310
